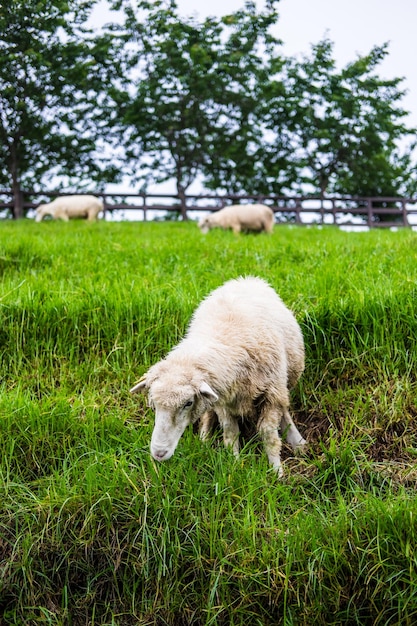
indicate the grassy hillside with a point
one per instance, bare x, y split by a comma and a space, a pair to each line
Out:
93, 531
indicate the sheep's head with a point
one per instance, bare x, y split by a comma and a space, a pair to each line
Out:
204, 224
176, 404
40, 212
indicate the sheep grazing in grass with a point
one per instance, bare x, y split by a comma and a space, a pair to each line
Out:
242, 353
67, 207
240, 217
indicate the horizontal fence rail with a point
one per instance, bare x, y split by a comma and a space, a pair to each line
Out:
343, 211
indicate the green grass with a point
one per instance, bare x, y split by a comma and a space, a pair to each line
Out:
93, 531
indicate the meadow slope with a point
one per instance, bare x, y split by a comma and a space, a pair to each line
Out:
93, 531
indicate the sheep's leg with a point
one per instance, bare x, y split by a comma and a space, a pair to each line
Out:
207, 422
291, 433
268, 425
230, 428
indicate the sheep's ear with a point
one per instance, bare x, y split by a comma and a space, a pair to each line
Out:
208, 392
140, 385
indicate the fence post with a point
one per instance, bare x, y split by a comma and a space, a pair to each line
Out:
144, 206
103, 197
298, 207
370, 212
334, 211
405, 216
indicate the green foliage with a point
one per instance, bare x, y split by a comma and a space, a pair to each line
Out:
154, 97
343, 126
223, 104
52, 74
92, 530
191, 110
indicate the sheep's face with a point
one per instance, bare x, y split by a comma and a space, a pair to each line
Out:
171, 420
204, 225
174, 411
40, 212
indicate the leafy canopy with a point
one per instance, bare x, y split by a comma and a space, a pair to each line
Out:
343, 126
156, 97
191, 111
52, 72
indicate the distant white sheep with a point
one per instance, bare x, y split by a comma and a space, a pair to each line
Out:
66, 207
240, 217
242, 353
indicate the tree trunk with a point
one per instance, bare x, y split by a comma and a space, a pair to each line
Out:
183, 202
17, 211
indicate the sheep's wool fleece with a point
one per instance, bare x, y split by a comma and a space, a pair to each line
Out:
242, 340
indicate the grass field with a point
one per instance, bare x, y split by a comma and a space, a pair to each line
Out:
93, 531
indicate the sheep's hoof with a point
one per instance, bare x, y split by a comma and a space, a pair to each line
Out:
278, 469
301, 448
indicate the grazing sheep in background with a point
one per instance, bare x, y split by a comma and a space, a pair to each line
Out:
242, 352
66, 207
238, 217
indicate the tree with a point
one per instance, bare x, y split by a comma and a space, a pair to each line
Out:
191, 110
343, 126
52, 71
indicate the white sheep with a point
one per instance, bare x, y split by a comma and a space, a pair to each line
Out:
66, 207
240, 217
242, 352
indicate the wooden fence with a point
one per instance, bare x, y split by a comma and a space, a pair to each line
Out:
355, 212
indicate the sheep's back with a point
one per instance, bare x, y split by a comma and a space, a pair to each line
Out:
249, 325
255, 216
